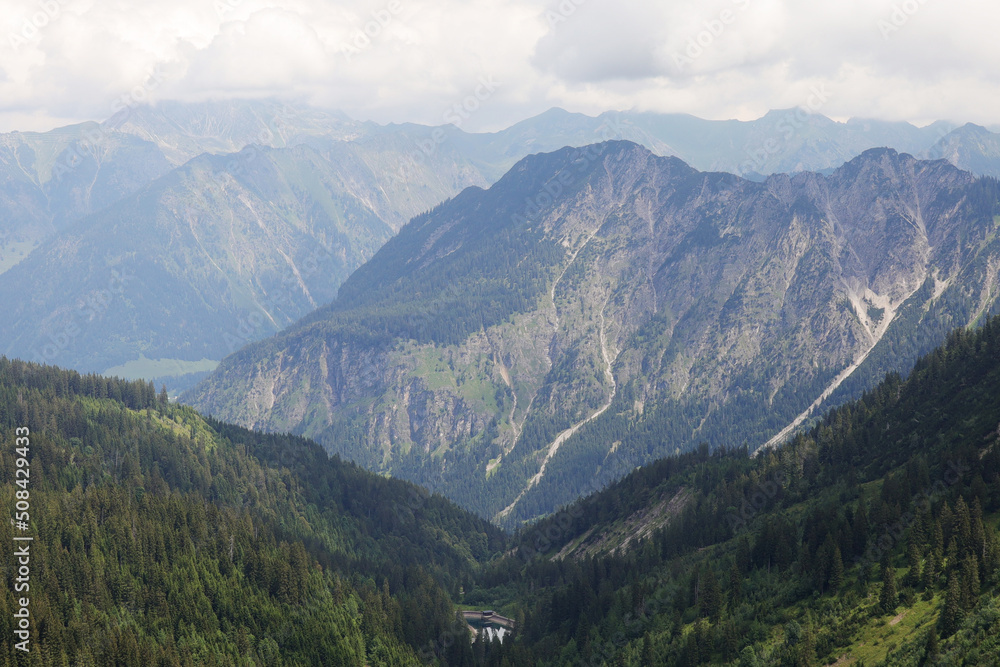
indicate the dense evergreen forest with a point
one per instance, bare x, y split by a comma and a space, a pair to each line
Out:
163, 538
166, 538
871, 538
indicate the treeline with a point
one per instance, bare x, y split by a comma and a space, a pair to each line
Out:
798, 556
51, 382
162, 538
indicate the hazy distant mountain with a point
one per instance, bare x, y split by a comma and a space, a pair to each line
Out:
217, 253
970, 147
783, 141
185, 130
597, 308
49, 180
379, 177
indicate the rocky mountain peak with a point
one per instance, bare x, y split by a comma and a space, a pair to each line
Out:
516, 346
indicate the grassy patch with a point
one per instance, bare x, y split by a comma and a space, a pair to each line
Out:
142, 367
880, 636
12, 253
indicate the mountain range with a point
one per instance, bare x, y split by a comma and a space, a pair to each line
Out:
662, 414
597, 308
231, 220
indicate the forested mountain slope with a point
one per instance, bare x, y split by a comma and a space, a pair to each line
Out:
871, 539
163, 538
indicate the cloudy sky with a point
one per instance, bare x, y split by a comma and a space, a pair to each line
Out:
63, 61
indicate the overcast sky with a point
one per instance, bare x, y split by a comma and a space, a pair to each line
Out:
412, 60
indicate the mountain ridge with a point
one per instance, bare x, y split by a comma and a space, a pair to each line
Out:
388, 172
466, 386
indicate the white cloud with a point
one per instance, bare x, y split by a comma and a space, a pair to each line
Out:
413, 60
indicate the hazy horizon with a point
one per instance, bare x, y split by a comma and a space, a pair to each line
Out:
65, 61
957, 122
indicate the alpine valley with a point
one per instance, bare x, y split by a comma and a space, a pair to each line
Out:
567, 385
165, 538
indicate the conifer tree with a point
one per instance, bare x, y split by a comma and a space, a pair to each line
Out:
913, 561
647, 650
889, 597
951, 615
735, 586
937, 541
978, 530
951, 555
711, 595
931, 650
703, 640
991, 563
836, 571
860, 528
970, 582
807, 648
930, 573
963, 528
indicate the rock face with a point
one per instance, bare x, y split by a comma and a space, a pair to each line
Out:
520, 346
